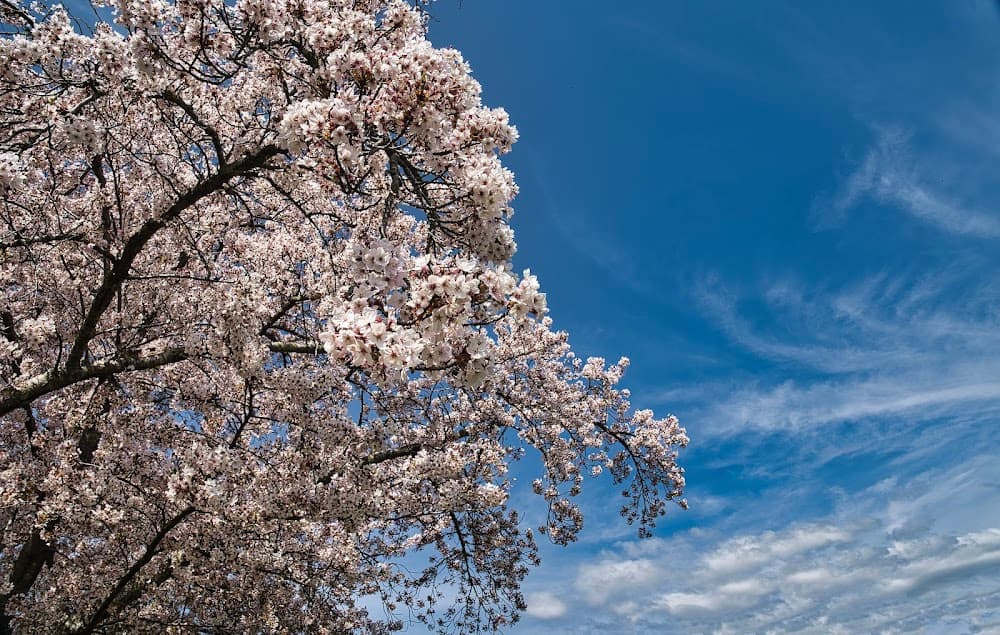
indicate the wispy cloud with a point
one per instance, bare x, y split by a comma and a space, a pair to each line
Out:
722, 306
884, 347
793, 406
909, 360
893, 174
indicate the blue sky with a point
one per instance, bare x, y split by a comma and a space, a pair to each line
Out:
786, 214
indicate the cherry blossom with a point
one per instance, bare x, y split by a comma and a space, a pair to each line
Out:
263, 355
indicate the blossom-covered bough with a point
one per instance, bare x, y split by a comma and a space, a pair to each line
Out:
263, 359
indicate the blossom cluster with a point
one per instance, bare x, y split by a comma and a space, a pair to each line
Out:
396, 313
11, 175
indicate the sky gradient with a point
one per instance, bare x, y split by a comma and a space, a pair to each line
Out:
786, 215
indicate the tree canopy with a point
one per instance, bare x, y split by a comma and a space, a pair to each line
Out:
264, 361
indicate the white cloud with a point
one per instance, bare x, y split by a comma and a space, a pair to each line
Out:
749, 552
606, 579
953, 499
545, 605
911, 363
686, 602
721, 306
957, 562
855, 570
820, 576
859, 584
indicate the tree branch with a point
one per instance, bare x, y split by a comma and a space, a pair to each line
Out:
20, 396
151, 549
175, 99
33, 556
14, 397
114, 278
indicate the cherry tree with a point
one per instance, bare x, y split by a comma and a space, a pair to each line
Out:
264, 360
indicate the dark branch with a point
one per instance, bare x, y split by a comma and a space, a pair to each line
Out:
151, 549
12, 398
113, 280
